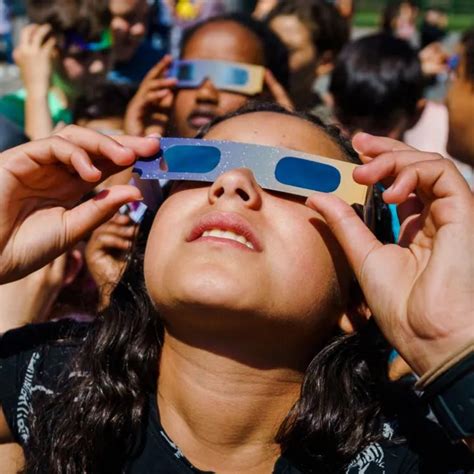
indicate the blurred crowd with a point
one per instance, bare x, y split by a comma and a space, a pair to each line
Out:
118, 67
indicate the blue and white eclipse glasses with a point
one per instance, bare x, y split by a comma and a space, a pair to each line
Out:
235, 77
275, 169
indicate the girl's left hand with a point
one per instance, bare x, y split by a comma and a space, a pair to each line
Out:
421, 292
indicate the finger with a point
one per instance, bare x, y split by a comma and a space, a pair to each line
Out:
167, 102
159, 68
123, 231
50, 151
430, 180
121, 219
39, 35
86, 217
110, 241
99, 145
26, 34
412, 206
50, 44
353, 235
159, 118
154, 97
277, 90
389, 164
370, 145
59, 126
141, 146
155, 84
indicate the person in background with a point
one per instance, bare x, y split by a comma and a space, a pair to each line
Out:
136, 50
103, 109
434, 26
399, 19
377, 86
159, 107
31, 299
6, 40
184, 14
314, 33
10, 134
65, 51
263, 8
460, 104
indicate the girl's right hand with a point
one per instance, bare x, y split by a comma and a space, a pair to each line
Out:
41, 183
149, 110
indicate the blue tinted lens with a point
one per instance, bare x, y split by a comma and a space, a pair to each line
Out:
185, 72
191, 159
236, 76
307, 174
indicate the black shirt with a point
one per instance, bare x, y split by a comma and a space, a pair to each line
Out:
33, 358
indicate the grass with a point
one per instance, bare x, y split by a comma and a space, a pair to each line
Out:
457, 21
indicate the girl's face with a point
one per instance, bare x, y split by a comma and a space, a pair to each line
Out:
220, 41
198, 256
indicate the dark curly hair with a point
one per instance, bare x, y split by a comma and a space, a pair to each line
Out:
94, 423
88, 18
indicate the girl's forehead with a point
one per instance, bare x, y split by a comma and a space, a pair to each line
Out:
278, 130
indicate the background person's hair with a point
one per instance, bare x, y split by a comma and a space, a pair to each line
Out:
329, 30
87, 18
376, 81
467, 40
94, 423
108, 100
275, 52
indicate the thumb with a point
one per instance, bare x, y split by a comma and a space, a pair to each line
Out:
89, 215
353, 235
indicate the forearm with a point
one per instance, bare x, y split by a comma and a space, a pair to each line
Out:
25, 301
38, 121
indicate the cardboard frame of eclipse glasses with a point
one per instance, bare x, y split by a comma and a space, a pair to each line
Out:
230, 76
275, 169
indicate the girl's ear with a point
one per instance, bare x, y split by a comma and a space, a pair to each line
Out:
74, 264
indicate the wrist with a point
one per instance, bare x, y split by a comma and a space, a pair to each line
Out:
427, 355
37, 92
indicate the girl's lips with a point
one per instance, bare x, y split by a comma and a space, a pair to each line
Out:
226, 221
198, 119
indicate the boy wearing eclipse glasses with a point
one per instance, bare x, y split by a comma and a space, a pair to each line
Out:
65, 50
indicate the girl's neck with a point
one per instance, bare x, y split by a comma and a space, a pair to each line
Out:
224, 413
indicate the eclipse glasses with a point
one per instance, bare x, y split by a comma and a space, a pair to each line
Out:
234, 77
275, 169
76, 41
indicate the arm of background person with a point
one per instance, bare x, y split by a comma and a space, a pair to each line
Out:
30, 299
34, 55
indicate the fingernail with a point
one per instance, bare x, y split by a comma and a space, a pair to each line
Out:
154, 135
101, 195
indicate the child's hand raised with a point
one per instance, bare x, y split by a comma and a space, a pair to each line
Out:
420, 291
33, 56
41, 184
149, 110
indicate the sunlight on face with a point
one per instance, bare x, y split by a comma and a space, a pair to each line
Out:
293, 272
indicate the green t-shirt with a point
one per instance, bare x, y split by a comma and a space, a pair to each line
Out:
12, 106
